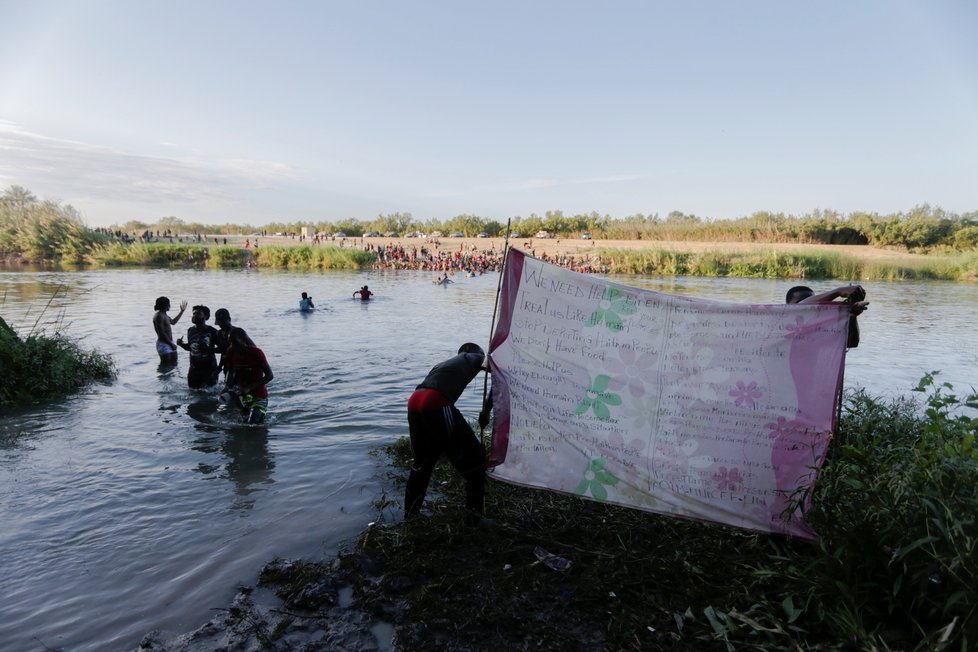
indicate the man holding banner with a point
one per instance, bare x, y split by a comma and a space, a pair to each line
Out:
437, 427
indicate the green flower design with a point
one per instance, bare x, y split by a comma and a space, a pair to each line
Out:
595, 480
613, 304
601, 399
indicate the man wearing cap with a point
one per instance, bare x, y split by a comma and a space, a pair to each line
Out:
437, 426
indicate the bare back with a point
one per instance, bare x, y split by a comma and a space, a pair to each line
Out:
162, 323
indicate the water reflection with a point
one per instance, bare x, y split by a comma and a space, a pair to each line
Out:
249, 462
248, 459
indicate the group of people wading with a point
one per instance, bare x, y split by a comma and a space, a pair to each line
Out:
246, 370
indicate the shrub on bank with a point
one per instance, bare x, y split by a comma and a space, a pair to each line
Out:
896, 508
45, 367
151, 254
38, 230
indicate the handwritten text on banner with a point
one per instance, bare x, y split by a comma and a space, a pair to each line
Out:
701, 409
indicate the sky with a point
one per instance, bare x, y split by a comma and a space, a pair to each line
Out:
251, 112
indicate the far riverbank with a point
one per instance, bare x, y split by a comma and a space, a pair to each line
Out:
849, 263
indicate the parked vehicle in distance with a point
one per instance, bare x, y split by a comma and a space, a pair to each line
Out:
390, 234
482, 235
543, 235
456, 234
414, 234
517, 234
372, 234
339, 235
585, 236
436, 234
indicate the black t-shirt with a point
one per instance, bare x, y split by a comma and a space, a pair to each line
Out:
450, 378
203, 344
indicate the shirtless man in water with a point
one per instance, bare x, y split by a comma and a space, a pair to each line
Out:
162, 323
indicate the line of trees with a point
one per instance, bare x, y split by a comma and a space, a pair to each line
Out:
923, 228
42, 229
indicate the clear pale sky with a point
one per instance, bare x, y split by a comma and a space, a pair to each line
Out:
253, 112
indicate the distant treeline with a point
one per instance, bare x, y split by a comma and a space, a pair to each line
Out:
37, 229
923, 228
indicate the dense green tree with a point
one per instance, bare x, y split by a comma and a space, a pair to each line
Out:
392, 222
43, 230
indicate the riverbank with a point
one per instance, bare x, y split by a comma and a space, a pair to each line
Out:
477, 255
894, 568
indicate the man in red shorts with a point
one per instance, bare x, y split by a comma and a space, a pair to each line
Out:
437, 426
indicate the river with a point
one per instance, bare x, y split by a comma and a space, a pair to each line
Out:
139, 505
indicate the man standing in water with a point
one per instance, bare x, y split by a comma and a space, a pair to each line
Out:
248, 373
437, 426
305, 303
162, 323
854, 295
202, 344
364, 293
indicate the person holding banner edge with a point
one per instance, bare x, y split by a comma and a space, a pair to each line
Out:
854, 295
437, 427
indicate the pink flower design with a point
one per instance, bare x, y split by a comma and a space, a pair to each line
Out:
799, 328
746, 394
630, 370
727, 479
779, 429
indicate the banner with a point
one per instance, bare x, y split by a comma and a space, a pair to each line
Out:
701, 409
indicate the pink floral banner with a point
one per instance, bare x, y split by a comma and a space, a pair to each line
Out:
701, 409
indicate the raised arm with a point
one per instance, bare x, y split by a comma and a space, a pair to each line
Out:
853, 293
183, 307
831, 295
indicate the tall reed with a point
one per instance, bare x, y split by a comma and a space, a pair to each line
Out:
308, 257
815, 264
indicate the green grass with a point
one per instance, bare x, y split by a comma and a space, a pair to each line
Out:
312, 258
160, 254
794, 265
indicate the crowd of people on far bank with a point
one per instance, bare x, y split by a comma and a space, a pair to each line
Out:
471, 260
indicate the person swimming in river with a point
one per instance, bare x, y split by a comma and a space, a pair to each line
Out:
364, 293
443, 280
305, 303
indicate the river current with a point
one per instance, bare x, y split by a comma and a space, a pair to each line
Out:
140, 505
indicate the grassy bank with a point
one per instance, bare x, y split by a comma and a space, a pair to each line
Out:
158, 254
762, 263
772, 264
313, 258
40, 367
896, 566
